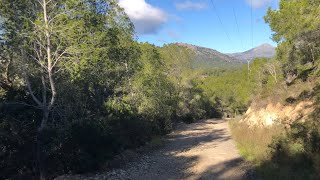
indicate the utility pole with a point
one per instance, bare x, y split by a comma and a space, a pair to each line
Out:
248, 69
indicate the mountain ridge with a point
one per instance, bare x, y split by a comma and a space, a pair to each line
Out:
211, 58
262, 51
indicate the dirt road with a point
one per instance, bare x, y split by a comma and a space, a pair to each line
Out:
202, 150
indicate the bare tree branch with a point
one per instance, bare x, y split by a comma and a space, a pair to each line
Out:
22, 103
49, 58
48, 2
57, 71
30, 89
51, 19
58, 58
39, 62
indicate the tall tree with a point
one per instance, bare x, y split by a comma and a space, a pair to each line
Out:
54, 38
296, 27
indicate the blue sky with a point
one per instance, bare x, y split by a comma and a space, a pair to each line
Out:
196, 22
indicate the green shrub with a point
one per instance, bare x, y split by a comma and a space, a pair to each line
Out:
294, 155
253, 141
17, 140
88, 144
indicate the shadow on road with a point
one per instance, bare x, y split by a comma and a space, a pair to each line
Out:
195, 151
202, 150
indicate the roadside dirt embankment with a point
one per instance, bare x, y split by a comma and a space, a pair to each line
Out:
277, 113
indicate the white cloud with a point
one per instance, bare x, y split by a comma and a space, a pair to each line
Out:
146, 18
189, 5
259, 3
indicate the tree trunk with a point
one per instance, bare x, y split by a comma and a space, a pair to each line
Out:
49, 56
40, 152
313, 58
46, 107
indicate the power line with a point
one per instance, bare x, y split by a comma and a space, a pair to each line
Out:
252, 23
223, 28
248, 61
236, 19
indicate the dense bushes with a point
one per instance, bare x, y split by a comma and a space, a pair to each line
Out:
83, 134
77, 146
278, 153
85, 146
294, 155
231, 91
17, 137
253, 142
104, 92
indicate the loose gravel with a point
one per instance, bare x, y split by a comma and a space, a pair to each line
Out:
203, 150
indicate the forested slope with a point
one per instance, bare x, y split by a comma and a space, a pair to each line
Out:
77, 89
289, 102
206, 58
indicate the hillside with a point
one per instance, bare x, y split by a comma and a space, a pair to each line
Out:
84, 94
210, 58
264, 50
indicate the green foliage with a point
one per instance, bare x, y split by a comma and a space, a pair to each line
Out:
17, 132
253, 142
113, 93
108, 137
279, 155
296, 27
98, 59
298, 151
150, 91
302, 15
295, 154
191, 102
231, 91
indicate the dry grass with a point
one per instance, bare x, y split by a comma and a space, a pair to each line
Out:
280, 92
253, 142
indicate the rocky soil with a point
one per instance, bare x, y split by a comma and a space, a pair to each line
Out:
278, 113
202, 150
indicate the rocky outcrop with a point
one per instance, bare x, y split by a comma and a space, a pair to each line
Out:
278, 113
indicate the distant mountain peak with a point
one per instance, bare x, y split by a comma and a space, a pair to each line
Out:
262, 51
265, 45
209, 58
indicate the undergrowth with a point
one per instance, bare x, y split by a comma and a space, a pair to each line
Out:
279, 153
253, 142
